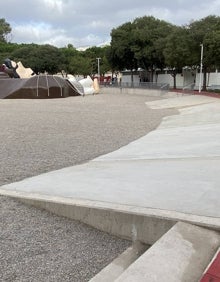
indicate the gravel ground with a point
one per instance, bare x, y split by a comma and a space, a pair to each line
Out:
38, 246
43, 135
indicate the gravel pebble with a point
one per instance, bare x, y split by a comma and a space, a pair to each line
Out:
38, 136
39, 246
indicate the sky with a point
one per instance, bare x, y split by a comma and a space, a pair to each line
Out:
84, 23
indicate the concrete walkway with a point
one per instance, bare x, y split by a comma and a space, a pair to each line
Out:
174, 168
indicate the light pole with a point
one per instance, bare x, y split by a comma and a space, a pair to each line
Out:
98, 68
200, 76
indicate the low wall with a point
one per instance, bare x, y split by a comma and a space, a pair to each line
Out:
143, 91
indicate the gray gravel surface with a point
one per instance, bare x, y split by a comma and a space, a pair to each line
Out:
38, 246
43, 135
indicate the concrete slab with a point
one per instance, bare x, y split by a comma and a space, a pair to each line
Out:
194, 115
200, 141
181, 101
193, 133
174, 168
181, 255
188, 186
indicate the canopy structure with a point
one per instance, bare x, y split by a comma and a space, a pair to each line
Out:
38, 87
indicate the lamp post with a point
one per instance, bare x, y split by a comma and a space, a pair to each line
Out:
200, 76
98, 59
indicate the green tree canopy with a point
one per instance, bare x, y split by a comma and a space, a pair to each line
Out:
149, 35
6, 49
176, 51
212, 49
5, 29
40, 58
206, 32
122, 53
139, 44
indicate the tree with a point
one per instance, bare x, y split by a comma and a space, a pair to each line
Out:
6, 49
122, 53
92, 54
105, 66
212, 48
149, 35
139, 44
68, 53
80, 65
177, 51
5, 29
40, 58
202, 32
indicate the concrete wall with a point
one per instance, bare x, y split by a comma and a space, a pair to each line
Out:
148, 92
137, 224
168, 78
126, 78
146, 229
187, 78
213, 80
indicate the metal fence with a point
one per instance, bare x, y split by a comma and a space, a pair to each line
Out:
142, 85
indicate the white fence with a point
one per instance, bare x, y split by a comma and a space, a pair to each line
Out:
188, 78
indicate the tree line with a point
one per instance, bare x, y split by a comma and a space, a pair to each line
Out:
146, 42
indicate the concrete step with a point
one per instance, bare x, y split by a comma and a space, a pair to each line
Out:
181, 255
120, 264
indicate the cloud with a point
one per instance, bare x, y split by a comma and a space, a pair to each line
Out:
55, 5
35, 31
46, 34
82, 23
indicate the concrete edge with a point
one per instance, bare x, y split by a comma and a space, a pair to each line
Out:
137, 224
113, 270
179, 255
142, 91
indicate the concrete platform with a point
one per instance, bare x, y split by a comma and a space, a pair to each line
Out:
143, 189
173, 168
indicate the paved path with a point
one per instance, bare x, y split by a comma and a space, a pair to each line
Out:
175, 167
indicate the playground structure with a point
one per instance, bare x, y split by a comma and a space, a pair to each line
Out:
18, 82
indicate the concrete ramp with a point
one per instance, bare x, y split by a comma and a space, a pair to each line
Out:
174, 168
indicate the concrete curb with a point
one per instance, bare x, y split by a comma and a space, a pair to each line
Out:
137, 224
120, 264
181, 255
